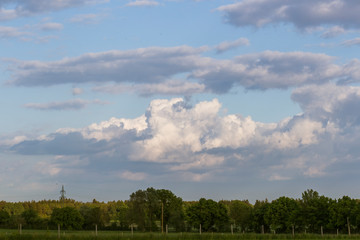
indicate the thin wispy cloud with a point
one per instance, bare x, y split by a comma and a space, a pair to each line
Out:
142, 3
12, 32
75, 104
51, 26
333, 32
172, 87
225, 46
90, 18
133, 176
351, 42
77, 91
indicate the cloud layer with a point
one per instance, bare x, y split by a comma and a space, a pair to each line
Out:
11, 9
303, 14
152, 70
197, 140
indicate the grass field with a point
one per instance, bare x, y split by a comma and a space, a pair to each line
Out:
107, 235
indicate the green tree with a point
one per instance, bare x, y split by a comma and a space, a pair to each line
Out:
4, 217
282, 214
341, 210
147, 206
153, 206
315, 211
14, 208
15, 220
240, 214
211, 215
31, 218
258, 216
93, 216
68, 218
172, 207
138, 209
119, 212
309, 204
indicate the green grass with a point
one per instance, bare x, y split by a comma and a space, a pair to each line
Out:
107, 235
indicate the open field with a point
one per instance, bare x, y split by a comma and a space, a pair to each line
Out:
107, 235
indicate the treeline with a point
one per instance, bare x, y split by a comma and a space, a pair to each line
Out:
160, 209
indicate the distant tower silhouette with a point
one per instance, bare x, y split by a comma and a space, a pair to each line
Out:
62, 195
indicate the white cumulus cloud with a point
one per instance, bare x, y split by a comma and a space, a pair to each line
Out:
199, 140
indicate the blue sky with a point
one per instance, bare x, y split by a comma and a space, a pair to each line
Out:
221, 99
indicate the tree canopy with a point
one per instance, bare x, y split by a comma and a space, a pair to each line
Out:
151, 209
212, 216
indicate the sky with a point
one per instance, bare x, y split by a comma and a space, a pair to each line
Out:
221, 99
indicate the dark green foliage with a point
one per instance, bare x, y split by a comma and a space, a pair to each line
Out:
172, 207
93, 216
138, 209
31, 218
4, 218
282, 214
341, 210
118, 214
68, 218
240, 214
315, 211
211, 215
47, 235
152, 236
258, 216
147, 206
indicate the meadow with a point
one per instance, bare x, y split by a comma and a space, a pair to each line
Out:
110, 235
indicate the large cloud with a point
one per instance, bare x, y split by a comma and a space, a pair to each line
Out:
303, 14
154, 70
182, 131
198, 141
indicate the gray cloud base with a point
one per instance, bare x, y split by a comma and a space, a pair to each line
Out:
11, 9
147, 68
303, 14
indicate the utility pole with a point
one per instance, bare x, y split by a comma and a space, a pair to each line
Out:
162, 217
62, 196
